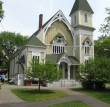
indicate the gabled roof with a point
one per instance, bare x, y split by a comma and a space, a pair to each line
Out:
74, 60
54, 18
56, 57
44, 24
81, 5
34, 41
53, 57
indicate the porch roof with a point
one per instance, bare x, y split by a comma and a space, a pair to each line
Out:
56, 57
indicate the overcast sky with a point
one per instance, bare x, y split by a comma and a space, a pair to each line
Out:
22, 16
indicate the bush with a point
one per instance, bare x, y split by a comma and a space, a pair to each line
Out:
88, 84
95, 73
99, 85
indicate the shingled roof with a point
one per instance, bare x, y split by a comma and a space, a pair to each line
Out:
35, 42
81, 5
56, 57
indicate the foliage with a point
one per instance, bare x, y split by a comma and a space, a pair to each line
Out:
43, 71
71, 104
9, 43
102, 46
1, 10
35, 95
95, 73
103, 95
105, 28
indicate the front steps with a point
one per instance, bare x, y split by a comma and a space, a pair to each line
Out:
64, 83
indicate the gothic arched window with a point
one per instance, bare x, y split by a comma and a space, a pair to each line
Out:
86, 18
87, 46
58, 44
75, 19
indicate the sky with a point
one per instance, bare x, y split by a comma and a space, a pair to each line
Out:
22, 16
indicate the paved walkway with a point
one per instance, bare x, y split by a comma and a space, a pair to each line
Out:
7, 99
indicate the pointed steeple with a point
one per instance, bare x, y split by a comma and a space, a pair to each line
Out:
81, 5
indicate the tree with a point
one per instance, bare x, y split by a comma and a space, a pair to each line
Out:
1, 10
43, 71
105, 28
9, 43
102, 46
95, 73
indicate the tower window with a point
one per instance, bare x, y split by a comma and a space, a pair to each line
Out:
85, 16
74, 19
87, 48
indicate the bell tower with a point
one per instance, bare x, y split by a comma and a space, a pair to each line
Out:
81, 21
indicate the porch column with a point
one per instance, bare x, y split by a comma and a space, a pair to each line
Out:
69, 72
74, 73
63, 71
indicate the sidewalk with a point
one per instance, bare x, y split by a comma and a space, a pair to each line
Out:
10, 100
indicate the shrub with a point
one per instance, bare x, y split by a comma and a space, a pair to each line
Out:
88, 84
95, 73
99, 85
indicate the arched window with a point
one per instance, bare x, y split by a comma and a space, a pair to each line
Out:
75, 19
58, 44
87, 46
86, 18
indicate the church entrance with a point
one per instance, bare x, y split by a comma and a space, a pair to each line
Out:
64, 67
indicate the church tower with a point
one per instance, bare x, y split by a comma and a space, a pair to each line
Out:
81, 21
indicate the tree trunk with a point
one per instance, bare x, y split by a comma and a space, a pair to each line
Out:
39, 85
8, 69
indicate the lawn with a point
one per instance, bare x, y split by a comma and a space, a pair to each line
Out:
34, 95
71, 104
103, 95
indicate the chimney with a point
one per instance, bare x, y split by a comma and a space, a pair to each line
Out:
40, 21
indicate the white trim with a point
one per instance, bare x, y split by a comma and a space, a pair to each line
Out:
43, 36
83, 32
80, 48
36, 46
69, 72
59, 16
65, 59
33, 49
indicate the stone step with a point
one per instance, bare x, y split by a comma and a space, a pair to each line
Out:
63, 83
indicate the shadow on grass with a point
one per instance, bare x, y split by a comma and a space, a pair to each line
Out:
35, 91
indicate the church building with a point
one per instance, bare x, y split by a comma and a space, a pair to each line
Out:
68, 44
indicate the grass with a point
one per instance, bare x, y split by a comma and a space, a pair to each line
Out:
34, 95
71, 104
103, 95
6, 82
